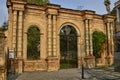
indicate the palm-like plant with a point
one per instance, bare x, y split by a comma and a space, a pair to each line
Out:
107, 4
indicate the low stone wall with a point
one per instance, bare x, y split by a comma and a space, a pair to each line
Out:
105, 61
49, 64
35, 65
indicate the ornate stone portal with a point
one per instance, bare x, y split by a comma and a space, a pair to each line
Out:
50, 19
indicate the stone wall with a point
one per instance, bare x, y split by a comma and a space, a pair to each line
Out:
35, 65
50, 19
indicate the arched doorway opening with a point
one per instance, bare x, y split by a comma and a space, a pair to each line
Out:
68, 47
33, 43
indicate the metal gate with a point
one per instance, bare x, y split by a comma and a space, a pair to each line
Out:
68, 50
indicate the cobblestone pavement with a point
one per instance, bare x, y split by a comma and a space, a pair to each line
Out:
104, 73
71, 74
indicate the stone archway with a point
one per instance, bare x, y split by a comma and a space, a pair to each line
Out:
68, 47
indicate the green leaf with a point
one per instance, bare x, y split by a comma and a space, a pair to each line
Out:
99, 39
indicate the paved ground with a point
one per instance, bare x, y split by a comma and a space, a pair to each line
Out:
70, 74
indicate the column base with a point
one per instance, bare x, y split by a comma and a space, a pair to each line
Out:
19, 65
89, 62
52, 64
3, 73
79, 62
109, 60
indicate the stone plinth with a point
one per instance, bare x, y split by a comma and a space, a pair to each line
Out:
20, 65
2, 73
52, 63
35, 65
89, 62
109, 60
79, 62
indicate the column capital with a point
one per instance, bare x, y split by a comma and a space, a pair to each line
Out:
108, 18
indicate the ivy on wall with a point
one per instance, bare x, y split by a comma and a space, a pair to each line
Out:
99, 39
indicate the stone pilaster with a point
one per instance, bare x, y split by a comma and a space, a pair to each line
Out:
89, 59
10, 28
112, 37
91, 44
20, 34
20, 41
110, 45
108, 37
14, 29
54, 36
49, 44
87, 36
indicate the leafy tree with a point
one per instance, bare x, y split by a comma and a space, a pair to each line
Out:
38, 2
99, 39
4, 26
33, 43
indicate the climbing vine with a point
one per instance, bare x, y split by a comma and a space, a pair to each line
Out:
99, 39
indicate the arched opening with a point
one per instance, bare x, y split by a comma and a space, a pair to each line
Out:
68, 47
33, 43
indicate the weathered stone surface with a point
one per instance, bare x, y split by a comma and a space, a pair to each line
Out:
35, 65
50, 19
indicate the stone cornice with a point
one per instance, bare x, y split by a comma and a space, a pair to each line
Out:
70, 11
19, 1
108, 18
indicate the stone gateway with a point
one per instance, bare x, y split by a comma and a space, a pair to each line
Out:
35, 32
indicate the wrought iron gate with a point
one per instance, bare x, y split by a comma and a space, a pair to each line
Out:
68, 50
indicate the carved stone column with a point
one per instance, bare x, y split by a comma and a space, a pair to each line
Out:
20, 41
10, 28
86, 22
110, 45
14, 29
112, 37
54, 36
49, 44
20, 34
89, 60
91, 44
52, 60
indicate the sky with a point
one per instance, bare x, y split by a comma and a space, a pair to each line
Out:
95, 5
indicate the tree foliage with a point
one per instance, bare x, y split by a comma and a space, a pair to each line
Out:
33, 43
106, 2
4, 26
38, 2
99, 39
